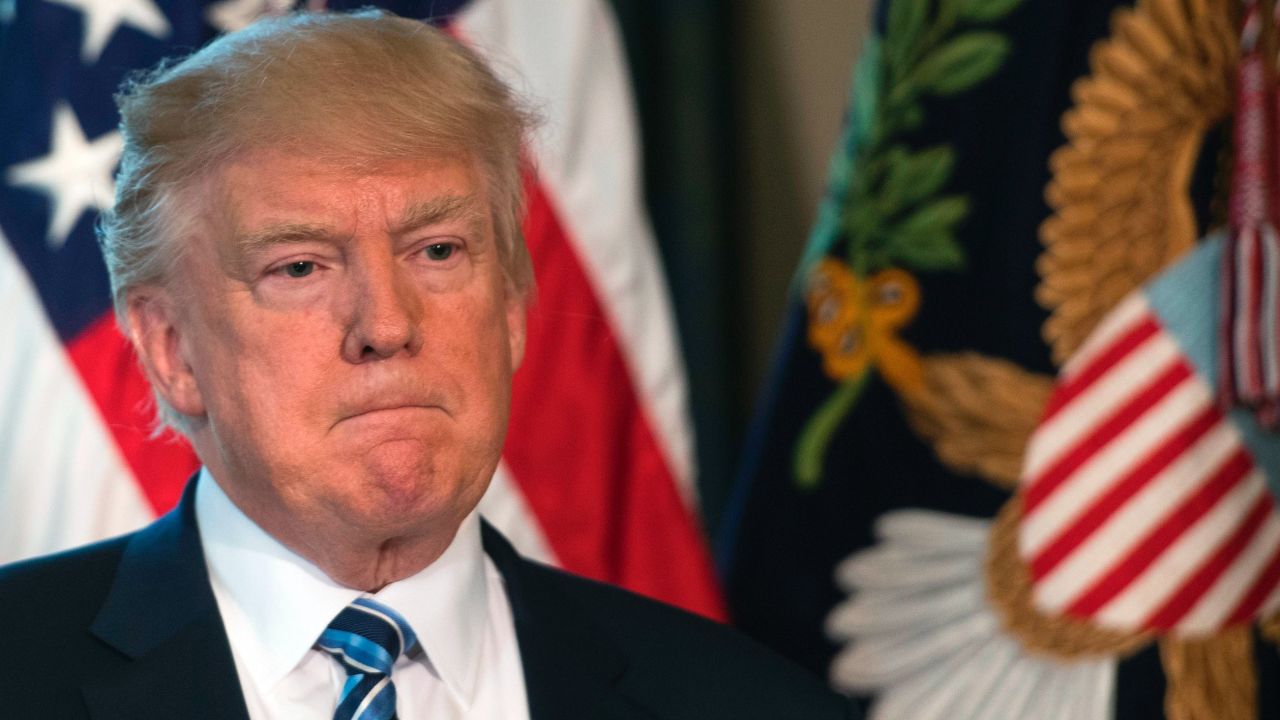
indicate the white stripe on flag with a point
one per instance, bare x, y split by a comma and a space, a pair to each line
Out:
1129, 525
1121, 453
1213, 609
504, 506
1126, 379
1180, 559
1128, 314
62, 480
590, 141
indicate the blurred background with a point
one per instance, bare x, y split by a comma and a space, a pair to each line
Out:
819, 283
741, 107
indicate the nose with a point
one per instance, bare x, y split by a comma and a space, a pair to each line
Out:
385, 312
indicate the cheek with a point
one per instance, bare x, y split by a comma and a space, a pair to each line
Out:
466, 342
266, 368
480, 335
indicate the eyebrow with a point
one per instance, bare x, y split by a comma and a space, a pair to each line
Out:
438, 210
429, 212
282, 234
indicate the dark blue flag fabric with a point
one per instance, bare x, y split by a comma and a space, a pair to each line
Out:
992, 476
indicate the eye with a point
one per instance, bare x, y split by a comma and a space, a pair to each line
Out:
299, 269
438, 251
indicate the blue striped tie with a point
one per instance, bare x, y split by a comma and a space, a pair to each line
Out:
366, 638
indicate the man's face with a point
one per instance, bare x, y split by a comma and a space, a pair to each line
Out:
351, 340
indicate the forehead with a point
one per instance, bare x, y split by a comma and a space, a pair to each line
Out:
267, 187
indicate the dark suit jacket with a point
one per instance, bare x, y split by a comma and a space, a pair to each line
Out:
129, 628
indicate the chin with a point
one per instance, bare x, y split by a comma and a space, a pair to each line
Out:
405, 487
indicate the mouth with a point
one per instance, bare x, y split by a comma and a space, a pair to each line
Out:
396, 412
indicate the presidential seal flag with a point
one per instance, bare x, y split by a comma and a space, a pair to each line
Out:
597, 473
1021, 451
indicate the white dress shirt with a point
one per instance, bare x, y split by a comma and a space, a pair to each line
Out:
275, 604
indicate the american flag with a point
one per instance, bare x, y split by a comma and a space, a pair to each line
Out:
1146, 506
597, 475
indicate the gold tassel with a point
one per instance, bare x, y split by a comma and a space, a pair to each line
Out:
1210, 678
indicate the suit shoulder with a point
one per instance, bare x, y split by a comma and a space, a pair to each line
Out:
62, 581
689, 663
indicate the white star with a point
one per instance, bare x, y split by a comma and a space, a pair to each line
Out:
231, 15
102, 17
75, 175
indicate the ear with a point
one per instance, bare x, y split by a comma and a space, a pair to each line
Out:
156, 332
517, 307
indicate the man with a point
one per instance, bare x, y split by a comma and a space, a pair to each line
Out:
315, 251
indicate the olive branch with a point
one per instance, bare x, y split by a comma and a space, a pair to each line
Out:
893, 213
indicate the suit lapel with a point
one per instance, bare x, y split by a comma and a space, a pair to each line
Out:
571, 670
161, 614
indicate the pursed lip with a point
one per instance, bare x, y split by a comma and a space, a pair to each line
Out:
368, 410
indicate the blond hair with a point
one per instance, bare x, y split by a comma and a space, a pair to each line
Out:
352, 89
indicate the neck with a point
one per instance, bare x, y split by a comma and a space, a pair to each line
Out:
374, 565
366, 559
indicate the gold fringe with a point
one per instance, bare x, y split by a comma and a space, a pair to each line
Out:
1009, 588
1210, 679
978, 413
1120, 187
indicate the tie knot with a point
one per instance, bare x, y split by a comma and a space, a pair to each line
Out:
367, 637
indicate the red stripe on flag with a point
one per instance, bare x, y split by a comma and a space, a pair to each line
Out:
1253, 346
1100, 365
111, 373
1161, 536
1226, 321
1122, 490
1102, 434
581, 448
1258, 593
1185, 598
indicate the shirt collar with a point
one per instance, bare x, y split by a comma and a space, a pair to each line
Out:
285, 602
